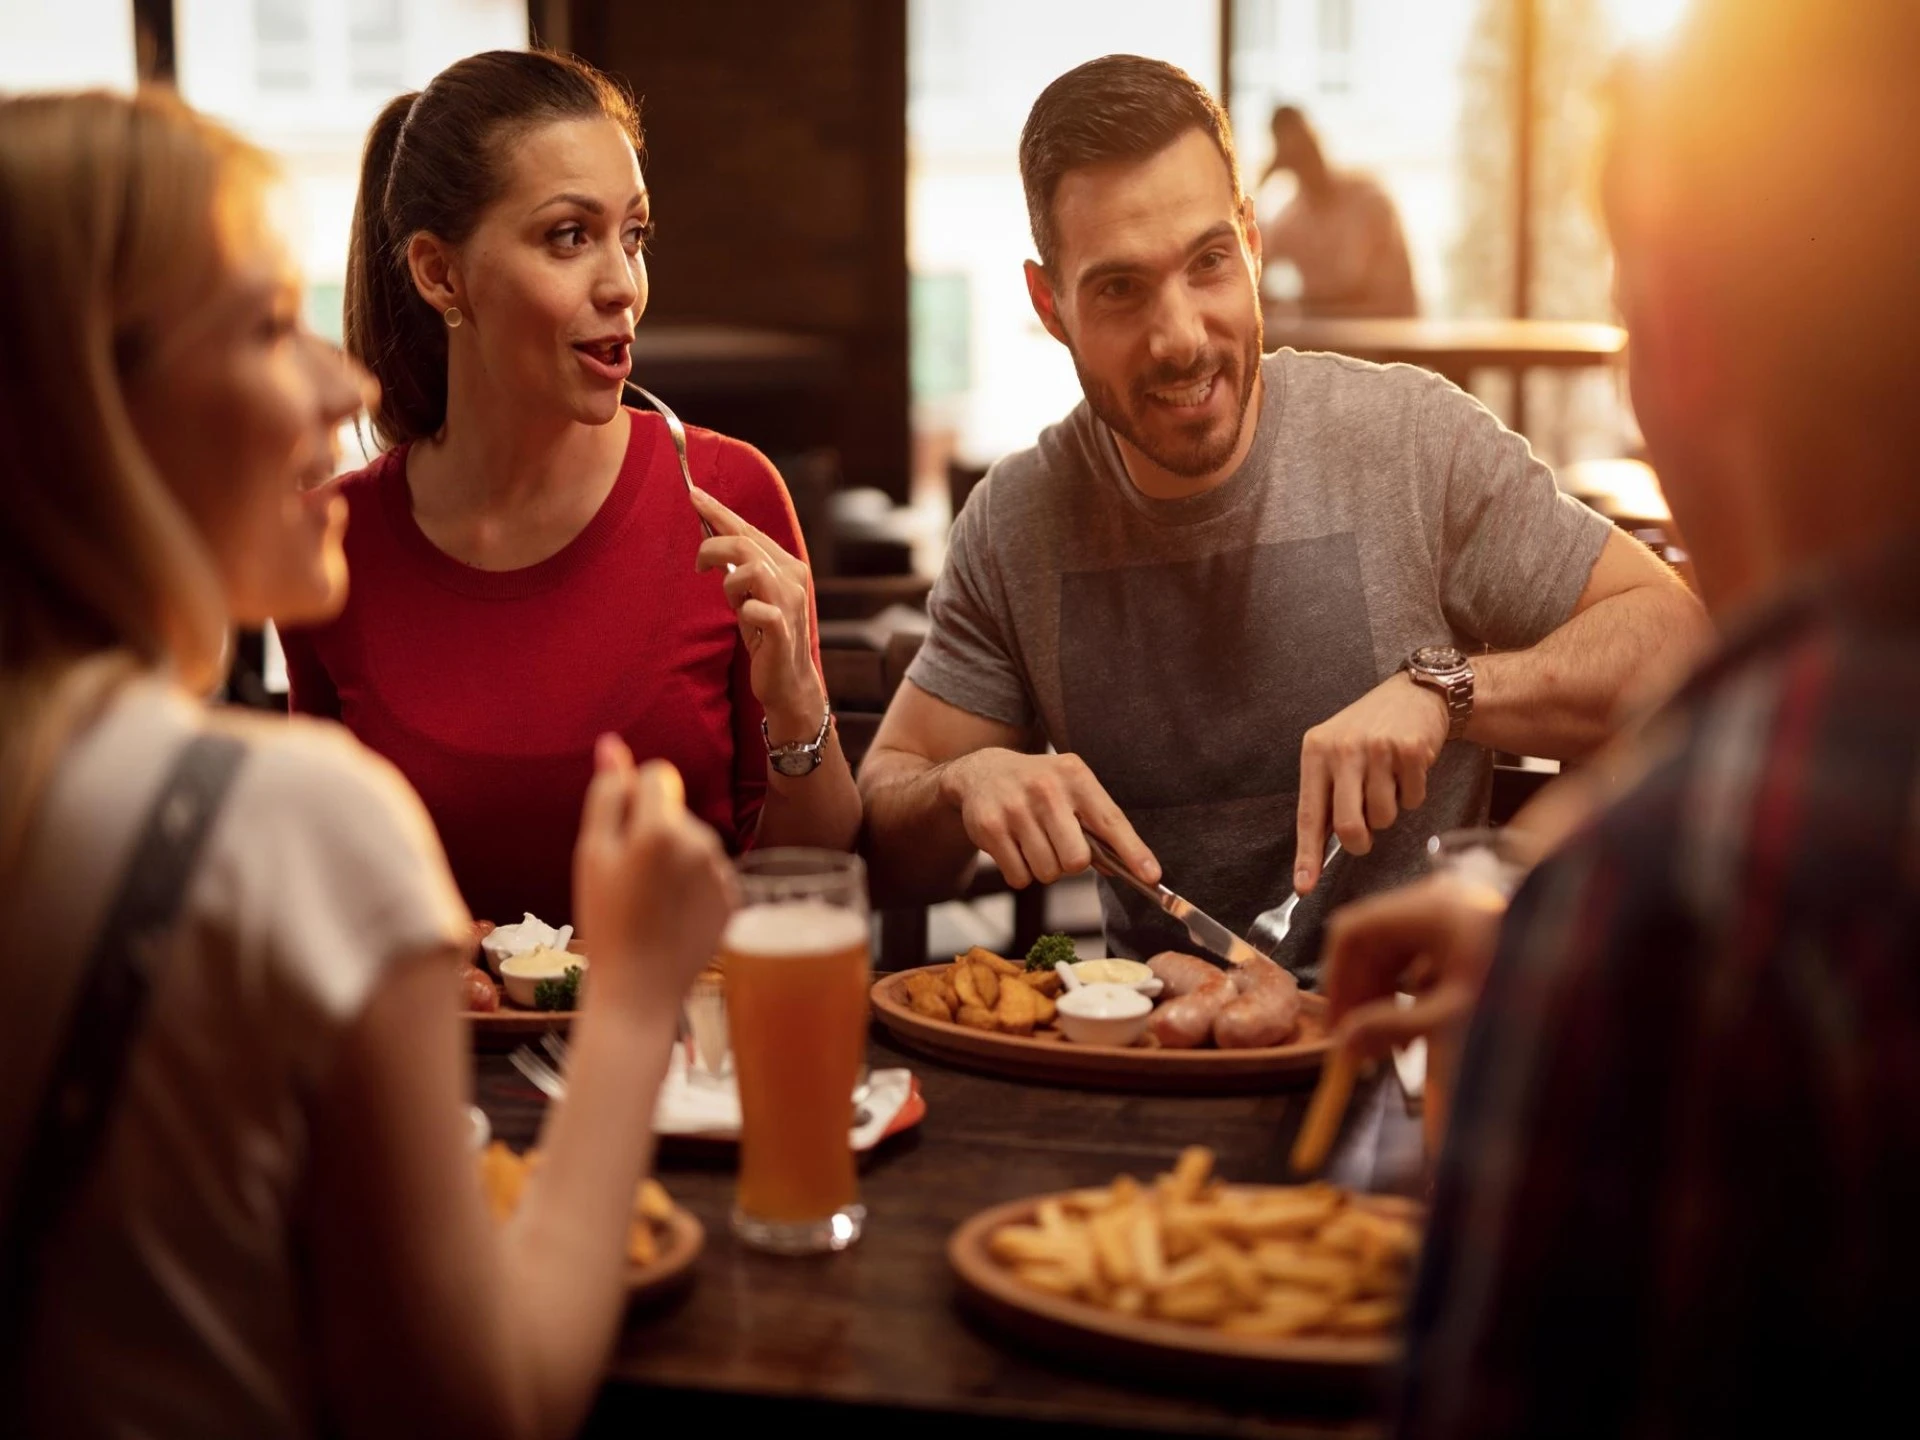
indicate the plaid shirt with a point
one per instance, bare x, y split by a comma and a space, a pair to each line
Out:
1681, 1195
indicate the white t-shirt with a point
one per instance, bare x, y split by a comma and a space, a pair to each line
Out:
172, 1300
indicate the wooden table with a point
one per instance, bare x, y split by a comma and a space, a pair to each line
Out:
1457, 348
873, 1341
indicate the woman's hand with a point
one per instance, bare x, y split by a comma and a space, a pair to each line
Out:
651, 885
771, 593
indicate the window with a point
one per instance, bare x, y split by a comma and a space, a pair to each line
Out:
375, 56
1336, 45
283, 45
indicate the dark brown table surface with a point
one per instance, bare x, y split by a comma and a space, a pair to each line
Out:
875, 1341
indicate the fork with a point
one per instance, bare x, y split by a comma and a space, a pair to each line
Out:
542, 1076
678, 434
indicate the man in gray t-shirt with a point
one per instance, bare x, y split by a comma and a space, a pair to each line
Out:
1204, 586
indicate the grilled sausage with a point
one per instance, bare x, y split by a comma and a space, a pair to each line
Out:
1186, 1020
1264, 1011
1182, 974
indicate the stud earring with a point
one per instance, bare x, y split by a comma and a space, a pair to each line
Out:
452, 316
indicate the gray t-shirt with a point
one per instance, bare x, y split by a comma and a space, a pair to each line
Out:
1182, 648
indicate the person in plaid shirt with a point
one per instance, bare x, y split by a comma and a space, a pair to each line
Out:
1680, 1192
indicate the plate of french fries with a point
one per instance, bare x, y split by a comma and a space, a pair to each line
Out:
986, 1012
1184, 1267
663, 1240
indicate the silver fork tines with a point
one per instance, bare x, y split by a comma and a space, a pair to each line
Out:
542, 1076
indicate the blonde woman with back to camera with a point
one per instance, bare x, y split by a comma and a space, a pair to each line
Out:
255, 1210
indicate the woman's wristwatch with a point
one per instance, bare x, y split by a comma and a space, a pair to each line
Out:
798, 757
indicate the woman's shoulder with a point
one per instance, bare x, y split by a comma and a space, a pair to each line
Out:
362, 487
327, 860
739, 476
306, 769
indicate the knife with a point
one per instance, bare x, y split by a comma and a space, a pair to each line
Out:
1207, 932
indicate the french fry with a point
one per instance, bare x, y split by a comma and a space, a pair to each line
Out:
1283, 1312
1045, 1011
503, 1175
1190, 1271
1027, 1244
1043, 982
1236, 1267
1200, 1302
1143, 1238
1050, 1278
651, 1201
1293, 1263
1128, 1300
1112, 1243
642, 1247
1366, 1317
1324, 1113
1190, 1172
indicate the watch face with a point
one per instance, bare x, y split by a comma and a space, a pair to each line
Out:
1439, 657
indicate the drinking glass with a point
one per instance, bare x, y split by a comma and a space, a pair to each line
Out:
796, 961
1496, 860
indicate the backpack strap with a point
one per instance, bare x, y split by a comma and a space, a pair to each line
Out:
84, 1085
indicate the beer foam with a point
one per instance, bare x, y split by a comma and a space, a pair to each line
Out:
795, 927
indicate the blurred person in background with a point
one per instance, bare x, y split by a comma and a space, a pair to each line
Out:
236, 1161
528, 571
1340, 231
1221, 587
1678, 1191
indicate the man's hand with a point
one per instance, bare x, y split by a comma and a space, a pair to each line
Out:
1027, 812
1361, 768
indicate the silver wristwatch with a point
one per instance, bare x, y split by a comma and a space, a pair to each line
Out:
798, 757
1446, 669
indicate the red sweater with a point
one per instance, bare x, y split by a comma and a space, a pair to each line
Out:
488, 688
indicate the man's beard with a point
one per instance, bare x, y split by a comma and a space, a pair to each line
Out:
1189, 451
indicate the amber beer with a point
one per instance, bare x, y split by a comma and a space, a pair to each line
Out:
796, 964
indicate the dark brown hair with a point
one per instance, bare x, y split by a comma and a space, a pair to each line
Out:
434, 162
1119, 107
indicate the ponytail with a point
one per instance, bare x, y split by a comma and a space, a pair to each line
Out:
388, 327
433, 163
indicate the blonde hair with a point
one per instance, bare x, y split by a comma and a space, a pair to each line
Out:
108, 235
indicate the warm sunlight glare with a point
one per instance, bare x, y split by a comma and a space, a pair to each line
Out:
1646, 22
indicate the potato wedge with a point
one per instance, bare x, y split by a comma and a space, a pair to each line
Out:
999, 964
975, 1017
976, 985
1017, 1010
1047, 982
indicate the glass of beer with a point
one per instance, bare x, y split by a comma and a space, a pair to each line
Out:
796, 961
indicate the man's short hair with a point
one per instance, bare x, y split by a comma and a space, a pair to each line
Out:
1119, 107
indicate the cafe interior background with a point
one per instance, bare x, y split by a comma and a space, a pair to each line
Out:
836, 275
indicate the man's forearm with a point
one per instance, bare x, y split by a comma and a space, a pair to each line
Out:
1563, 697
915, 844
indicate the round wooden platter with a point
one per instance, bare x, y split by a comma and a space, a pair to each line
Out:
506, 1027
681, 1238
1133, 1344
1049, 1056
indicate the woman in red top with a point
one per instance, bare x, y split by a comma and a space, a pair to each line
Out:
528, 570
